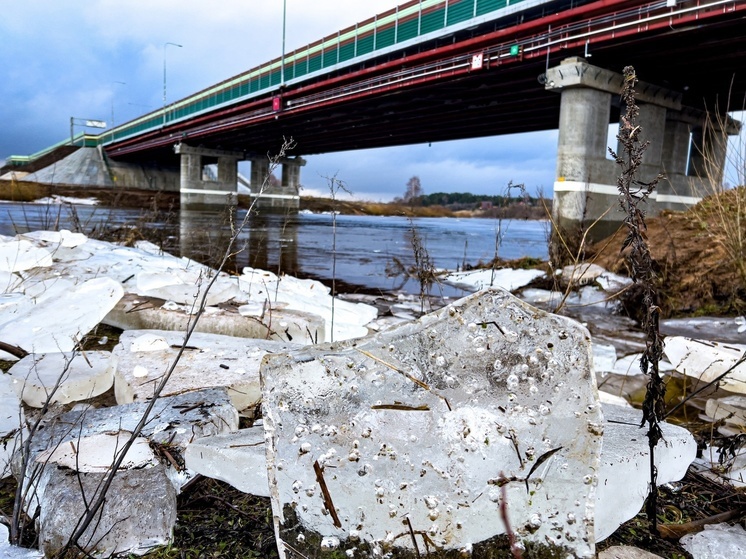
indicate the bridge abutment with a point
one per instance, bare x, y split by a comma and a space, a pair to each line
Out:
200, 187
683, 146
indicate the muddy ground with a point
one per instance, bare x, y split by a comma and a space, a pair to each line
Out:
699, 258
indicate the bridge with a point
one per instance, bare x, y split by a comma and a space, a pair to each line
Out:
432, 70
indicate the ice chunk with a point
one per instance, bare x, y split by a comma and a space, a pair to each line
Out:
187, 287
237, 458
705, 360
64, 237
608, 398
604, 357
434, 424
80, 376
135, 313
623, 479
97, 453
12, 423
147, 342
175, 420
138, 514
716, 541
581, 274
58, 324
626, 552
506, 278
629, 365
8, 551
18, 255
731, 409
8, 282
210, 360
308, 296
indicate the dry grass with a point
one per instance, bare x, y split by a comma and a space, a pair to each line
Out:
17, 191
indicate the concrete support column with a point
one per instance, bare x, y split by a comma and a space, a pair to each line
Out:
586, 188
694, 155
259, 174
583, 125
675, 191
675, 145
282, 197
652, 120
707, 154
227, 170
198, 193
291, 175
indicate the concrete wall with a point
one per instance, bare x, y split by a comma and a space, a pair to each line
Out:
90, 167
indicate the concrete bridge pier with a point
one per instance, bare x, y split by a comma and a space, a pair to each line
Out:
200, 187
586, 185
272, 195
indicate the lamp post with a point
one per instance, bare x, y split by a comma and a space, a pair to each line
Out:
112, 101
282, 60
164, 77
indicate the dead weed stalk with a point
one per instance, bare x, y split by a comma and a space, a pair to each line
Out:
335, 185
633, 194
424, 270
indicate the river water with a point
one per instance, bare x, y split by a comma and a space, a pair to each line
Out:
361, 252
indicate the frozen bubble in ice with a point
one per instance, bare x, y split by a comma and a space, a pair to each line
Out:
511, 336
329, 543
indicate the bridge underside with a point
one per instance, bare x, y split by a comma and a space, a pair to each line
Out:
503, 99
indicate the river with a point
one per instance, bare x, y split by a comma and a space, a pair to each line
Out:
357, 251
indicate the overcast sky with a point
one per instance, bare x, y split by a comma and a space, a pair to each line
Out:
63, 58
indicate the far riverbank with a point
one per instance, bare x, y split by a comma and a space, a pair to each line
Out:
165, 201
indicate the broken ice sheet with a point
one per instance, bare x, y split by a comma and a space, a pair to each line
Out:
143, 356
308, 296
416, 435
12, 420
18, 255
62, 377
58, 324
98, 452
507, 278
706, 361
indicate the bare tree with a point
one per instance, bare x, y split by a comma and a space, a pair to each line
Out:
414, 191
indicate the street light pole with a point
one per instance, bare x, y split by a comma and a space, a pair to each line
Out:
282, 61
164, 77
112, 101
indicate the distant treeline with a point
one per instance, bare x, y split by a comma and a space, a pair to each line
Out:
524, 206
469, 199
